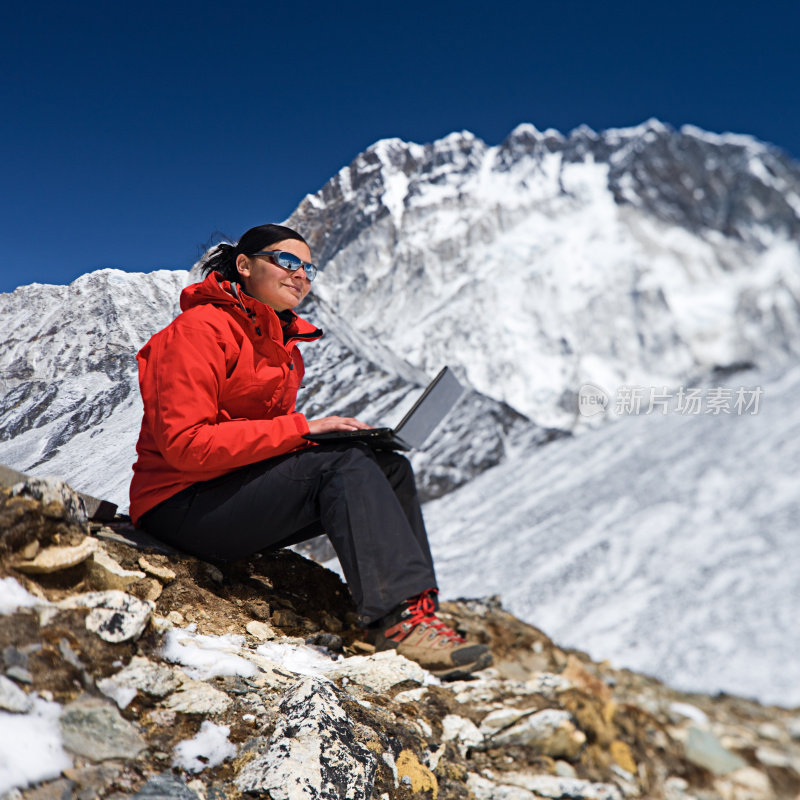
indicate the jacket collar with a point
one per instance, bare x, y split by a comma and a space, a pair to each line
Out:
217, 291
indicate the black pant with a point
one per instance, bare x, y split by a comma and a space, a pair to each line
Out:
364, 500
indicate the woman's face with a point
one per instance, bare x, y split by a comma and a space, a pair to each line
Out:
275, 286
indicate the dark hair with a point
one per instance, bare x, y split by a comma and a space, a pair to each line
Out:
222, 257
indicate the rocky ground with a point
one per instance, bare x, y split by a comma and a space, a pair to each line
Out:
138, 672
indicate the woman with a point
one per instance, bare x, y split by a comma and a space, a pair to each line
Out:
223, 470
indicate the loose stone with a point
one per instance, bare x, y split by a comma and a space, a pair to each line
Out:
115, 616
94, 729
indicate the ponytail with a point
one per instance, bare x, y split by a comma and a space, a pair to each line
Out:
222, 257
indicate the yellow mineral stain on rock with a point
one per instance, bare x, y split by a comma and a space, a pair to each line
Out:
622, 756
422, 779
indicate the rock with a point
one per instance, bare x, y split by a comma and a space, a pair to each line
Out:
496, 721
55, 559
197, 697
313, 752
105, 573
550, 732
12, 698
746, 783
330, 641
94, 729
769, 730
772, 757
565, 770
164, 574
93, 779
461, 730
20, 674
380, 671
262, 631
793, 726
148, 589
60, 789
548, 684
416, 775
411, 695
115, 616
578, 675
621, 755
58, 499
165, 787
562, 788
141, 675
704, 749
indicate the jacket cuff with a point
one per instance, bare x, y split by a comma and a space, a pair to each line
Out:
301, 422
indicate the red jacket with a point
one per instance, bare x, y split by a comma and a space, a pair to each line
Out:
219, 385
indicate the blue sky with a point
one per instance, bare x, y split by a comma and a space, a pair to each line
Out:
134, 132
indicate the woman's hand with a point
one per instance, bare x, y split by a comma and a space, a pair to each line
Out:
328, 424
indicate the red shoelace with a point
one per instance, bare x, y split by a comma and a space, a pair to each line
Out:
422, 609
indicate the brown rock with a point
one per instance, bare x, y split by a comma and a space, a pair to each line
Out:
55, 559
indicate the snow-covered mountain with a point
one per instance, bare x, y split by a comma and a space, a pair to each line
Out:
70, 405
637, 256
665, 542
644, 256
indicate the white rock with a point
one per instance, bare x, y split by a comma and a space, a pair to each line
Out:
164, 574
59, 500
12, 698
769, 730
690, 712
379, 672
462, 730
55, 559
495, 721
105, 573
143, 675
484, 789
312, 753
770, 757
565, 770
260, 630
556, 787
550, 732
548, 684
197, 697
114, 616
411, 695
746, 783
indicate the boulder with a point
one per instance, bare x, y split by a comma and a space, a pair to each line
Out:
94, 729
313, 752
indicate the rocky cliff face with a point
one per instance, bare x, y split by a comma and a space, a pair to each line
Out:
131, 672
632, 256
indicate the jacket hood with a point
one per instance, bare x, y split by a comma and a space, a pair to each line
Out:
220, 292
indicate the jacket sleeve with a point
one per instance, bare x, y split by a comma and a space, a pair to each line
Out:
181, 372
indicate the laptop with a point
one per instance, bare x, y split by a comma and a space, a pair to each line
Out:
413, 430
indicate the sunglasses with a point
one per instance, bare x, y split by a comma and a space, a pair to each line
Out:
289, 261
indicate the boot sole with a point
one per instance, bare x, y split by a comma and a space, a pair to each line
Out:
463, 670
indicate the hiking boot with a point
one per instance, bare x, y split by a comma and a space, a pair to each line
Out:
414, 630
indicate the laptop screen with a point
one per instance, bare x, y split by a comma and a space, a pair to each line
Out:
440, 396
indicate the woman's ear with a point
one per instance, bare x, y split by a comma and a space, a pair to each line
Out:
243, 265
